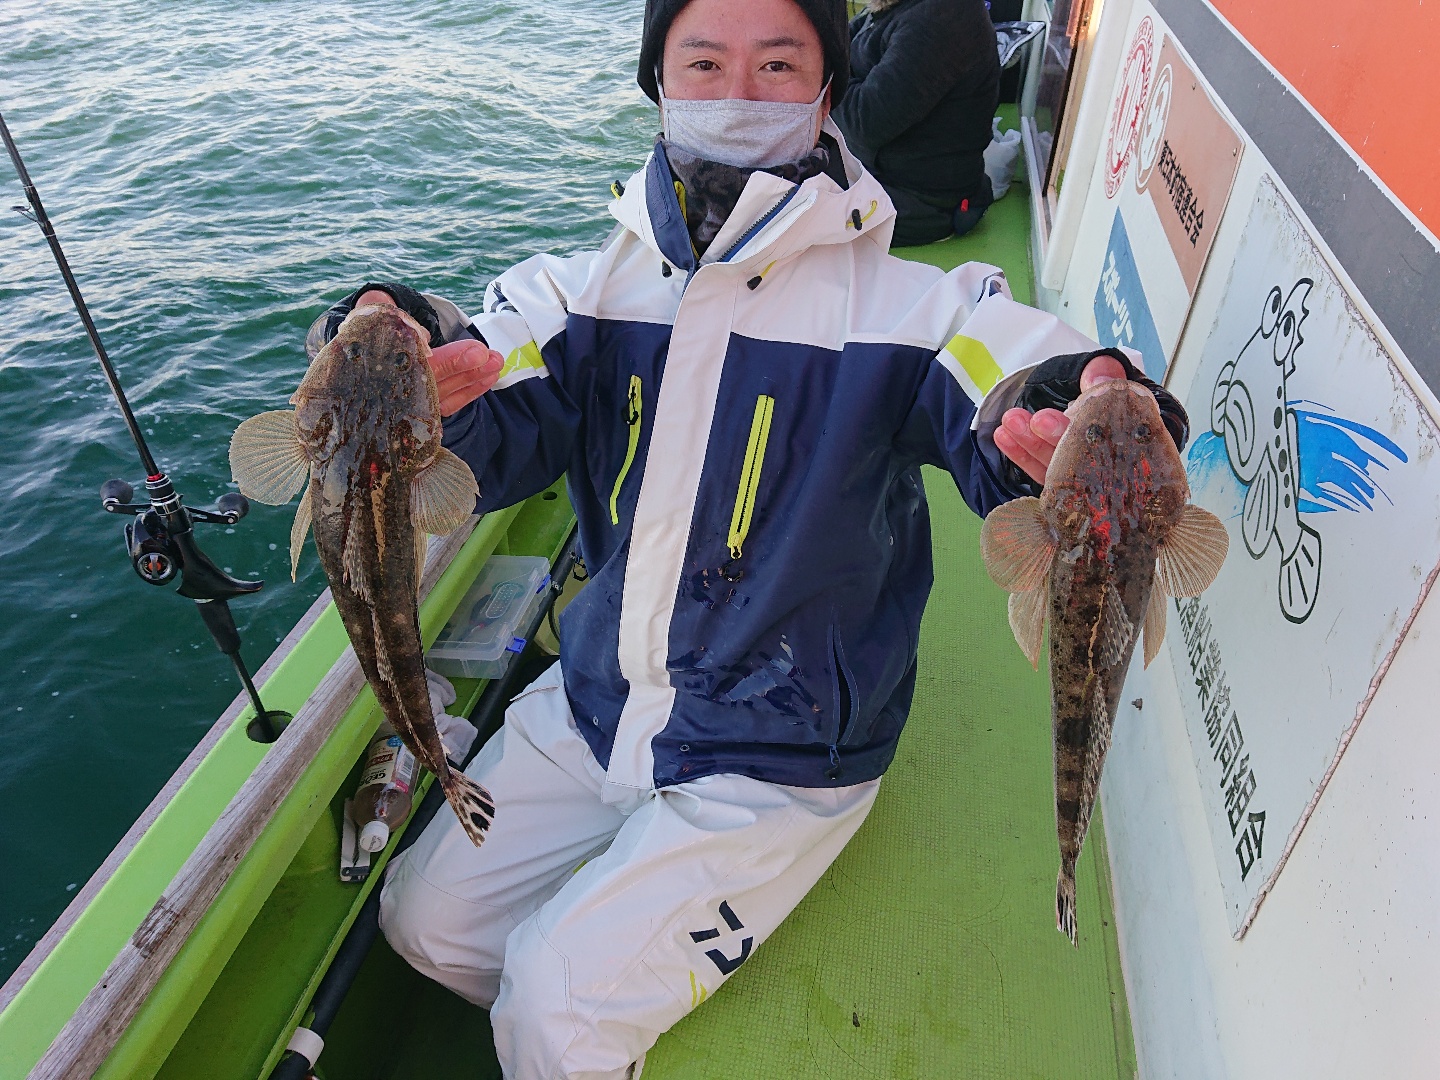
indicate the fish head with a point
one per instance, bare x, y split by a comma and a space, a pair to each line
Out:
1116, 461
369, 402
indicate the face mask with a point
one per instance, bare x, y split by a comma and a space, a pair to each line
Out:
746, 134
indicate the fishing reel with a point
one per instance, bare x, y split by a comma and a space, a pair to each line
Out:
160, 540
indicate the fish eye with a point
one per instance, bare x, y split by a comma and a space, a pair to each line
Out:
1142, 432
401, 360
1094, 433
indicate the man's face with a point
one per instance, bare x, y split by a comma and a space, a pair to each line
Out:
758, 50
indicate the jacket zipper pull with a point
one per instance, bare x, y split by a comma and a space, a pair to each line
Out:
833, 772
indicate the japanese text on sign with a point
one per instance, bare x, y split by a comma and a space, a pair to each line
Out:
1234, 776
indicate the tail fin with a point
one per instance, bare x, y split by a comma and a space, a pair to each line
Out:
1065, 906
472, 804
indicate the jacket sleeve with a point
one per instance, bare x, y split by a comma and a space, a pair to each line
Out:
518, 438
925, 57
993, 346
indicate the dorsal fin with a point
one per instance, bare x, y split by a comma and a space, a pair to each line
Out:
1114, 633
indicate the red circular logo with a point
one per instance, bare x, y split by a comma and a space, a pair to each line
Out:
1129, 105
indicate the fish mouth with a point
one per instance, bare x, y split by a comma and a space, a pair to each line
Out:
1106, 385
366, 310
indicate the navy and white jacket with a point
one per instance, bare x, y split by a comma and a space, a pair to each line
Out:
742, 436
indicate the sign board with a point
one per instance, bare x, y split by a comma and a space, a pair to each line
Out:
1169, 163
1312, 448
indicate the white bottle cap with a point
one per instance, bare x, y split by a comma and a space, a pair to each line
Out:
374, 836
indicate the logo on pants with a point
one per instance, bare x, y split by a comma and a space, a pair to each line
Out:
725, 963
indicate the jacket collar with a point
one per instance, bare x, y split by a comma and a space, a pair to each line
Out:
772, 220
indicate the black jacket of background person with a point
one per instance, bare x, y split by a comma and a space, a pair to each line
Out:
924, 84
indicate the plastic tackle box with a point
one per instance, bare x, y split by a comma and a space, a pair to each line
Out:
480, 637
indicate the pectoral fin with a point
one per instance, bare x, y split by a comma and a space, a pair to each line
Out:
443, 494
1192, 554
298, 531
1017, 545
1154, 620
1027, 619
267, 458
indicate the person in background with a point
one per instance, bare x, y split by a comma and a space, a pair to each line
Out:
924, 84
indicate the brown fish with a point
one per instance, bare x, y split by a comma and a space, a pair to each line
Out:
364, 445
1111, 536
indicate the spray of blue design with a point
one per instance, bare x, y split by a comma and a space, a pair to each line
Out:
1289, 460
1336, 459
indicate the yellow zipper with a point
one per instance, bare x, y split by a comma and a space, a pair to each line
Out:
632, 418
750, 474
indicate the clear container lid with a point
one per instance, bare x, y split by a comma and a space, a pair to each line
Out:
491, 614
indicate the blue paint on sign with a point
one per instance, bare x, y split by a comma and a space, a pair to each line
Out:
1122, 314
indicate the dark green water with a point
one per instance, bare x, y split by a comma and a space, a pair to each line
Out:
218, 172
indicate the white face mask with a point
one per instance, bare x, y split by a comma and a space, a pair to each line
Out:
746, 134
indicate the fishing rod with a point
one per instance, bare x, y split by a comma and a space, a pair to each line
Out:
160, 536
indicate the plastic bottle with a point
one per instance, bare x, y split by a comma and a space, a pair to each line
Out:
387, 783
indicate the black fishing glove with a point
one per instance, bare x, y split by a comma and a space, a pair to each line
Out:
1056, 383
406, 299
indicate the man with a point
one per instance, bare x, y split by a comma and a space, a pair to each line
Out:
740, 387
924, 83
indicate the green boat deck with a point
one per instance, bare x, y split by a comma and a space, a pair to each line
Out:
929, 949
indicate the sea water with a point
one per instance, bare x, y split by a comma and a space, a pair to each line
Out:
218, 173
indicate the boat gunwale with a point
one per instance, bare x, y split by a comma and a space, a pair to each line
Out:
91, 889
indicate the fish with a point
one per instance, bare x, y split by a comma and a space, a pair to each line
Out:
362, 449
1111, 536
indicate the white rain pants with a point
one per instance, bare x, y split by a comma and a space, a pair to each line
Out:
594, 917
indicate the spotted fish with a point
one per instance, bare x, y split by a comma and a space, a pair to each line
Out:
1110, 537
362, 446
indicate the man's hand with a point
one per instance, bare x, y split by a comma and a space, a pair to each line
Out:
463, 369
1029, 439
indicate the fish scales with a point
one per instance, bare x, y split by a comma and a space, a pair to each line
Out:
363, 447
1094, 557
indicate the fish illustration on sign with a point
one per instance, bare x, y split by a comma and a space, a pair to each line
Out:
1112, 534
362, 446
1250, 410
